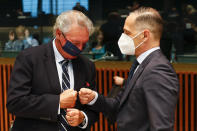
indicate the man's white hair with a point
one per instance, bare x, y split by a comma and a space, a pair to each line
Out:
66, 19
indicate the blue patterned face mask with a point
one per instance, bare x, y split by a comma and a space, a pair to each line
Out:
71, 49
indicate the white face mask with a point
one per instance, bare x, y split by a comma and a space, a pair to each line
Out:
126, 44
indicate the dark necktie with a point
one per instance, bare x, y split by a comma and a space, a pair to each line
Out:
65, 85
132, 70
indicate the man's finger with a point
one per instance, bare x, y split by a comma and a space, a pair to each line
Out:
69, 90
71, 112
84, 99
68, 118
70, 109
74, 93
85, 90
82, 93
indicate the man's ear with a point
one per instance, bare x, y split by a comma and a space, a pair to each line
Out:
58, 34
146, 34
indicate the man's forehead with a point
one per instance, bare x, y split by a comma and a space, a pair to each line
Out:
77, 29
131, 17
78, 36
129, 23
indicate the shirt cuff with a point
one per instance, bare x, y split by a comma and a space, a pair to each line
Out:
86, 121
94, 100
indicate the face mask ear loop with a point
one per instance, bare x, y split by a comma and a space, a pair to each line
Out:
139, 44
64, 38
63, 35
137, 35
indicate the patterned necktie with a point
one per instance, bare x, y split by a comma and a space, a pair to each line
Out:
65, 75
132, 70
65, 85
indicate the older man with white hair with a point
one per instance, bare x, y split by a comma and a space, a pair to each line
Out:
45, 79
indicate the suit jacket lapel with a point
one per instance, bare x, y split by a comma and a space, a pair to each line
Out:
79, 77
131, 84
135, 77
51, 69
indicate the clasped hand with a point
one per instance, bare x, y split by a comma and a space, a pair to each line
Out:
68, 99
86, 95
74, 117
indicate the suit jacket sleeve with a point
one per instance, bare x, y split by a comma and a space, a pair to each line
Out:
108, 106
161, 92
20, 101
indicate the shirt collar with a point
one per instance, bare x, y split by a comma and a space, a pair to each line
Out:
141, 58
58, 56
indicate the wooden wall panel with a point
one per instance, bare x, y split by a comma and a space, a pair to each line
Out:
186, 110
1, 101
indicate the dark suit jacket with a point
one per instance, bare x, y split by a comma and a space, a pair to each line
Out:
148, 102
34, 89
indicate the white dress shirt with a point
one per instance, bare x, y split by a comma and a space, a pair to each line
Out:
143, 56
58, 59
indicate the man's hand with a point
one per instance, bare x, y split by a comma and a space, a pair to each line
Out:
68, 98
74, 117
86, 95
118, 80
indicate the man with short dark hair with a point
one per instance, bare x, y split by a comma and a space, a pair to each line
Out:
149, 96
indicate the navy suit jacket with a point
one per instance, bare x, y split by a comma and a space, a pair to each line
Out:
148, 102
34, 89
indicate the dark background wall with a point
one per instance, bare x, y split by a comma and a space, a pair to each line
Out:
100, 8
10, 4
